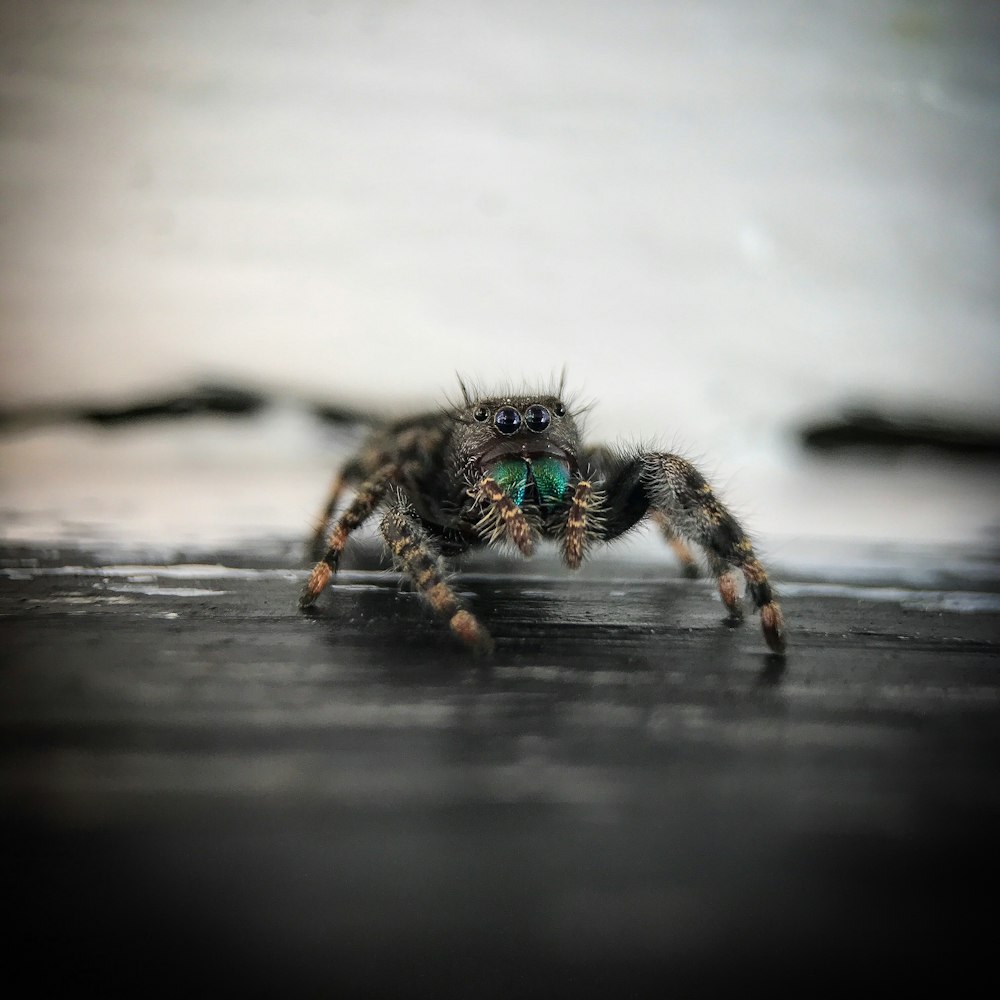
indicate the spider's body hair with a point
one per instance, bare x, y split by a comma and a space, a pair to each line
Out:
507, 468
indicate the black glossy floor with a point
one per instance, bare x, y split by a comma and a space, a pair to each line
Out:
203, 789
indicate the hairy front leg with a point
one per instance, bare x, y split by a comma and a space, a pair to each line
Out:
674, 487
318, 537
368, 497
414, 554
680, 548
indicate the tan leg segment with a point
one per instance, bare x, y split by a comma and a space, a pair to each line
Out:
579, 523
772, 622
414, 554
316, 539
367, 499
680, 548
729, 591
691, 507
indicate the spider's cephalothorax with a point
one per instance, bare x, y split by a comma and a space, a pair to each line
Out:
509, 470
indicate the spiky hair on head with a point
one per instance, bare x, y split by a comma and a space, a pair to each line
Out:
507, 387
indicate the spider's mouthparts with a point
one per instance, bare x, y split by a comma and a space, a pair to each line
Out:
542, 480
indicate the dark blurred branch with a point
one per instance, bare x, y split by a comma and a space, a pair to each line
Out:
209, 398
868, 428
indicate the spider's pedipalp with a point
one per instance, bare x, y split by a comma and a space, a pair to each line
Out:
583, 519
501, 516
414, 554
366, 500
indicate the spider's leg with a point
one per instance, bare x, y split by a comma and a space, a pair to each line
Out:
677, 488
318, 536
368, 497
502, 517
653, 482
582, 522
681, 549
415, 554
727, 580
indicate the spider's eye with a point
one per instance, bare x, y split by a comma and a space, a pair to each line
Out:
507, 420
537, 418
560, 410
481, 414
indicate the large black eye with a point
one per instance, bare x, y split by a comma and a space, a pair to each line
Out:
481, 414
537, 418
507, 420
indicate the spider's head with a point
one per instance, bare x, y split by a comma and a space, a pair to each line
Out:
501, 435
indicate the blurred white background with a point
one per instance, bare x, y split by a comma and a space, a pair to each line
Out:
725, 218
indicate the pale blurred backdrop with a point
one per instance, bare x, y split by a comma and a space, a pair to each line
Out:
726, 219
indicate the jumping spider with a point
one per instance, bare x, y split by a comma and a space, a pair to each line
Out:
509, 470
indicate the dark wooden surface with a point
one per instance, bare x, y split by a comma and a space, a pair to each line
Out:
205, 790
